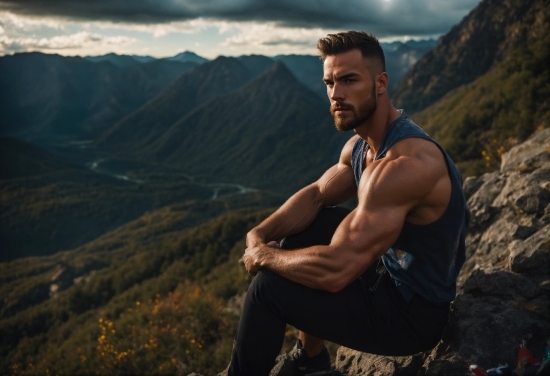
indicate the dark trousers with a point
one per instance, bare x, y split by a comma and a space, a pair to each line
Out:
368, 315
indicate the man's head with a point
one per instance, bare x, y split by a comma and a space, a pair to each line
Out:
354, 72
334, 44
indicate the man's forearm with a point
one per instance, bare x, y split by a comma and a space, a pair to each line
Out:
292, 217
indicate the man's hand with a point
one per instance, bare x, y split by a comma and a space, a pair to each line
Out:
254, 256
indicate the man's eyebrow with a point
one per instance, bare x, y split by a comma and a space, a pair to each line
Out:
342, 77
347, 75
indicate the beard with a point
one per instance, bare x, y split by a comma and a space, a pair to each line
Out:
360, 115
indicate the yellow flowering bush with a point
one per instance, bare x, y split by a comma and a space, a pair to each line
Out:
184, 332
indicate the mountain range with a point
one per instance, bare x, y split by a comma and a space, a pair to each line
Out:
50, 96
123, 221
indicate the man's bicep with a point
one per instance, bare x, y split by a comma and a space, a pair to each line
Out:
373, 231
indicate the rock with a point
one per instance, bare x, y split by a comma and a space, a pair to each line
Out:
533, 255
351, 362
528, 155
505, 282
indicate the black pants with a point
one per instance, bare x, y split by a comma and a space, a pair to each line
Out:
369, 314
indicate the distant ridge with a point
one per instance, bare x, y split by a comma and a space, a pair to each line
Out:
120, 60
50, 96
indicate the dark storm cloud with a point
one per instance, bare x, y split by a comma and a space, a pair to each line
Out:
383, 17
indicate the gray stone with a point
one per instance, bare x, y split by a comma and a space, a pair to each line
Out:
529, 155
531, 255
471, 185
352, 362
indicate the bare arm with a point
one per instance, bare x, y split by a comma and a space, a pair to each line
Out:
389, 190
335, 186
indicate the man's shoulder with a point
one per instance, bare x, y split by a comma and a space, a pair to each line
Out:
416, 148
411, 168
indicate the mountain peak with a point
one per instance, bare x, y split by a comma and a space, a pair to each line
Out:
279, 71
188, 56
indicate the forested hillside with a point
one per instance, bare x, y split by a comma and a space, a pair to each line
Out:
492, 32
130, 301
478, 122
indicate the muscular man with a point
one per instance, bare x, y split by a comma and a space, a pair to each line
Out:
378, 278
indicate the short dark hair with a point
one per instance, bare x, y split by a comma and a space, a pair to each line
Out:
338, 43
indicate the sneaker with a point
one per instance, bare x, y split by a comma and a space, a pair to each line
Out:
306, 366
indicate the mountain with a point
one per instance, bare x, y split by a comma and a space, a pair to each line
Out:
255, 136
121, 61
188, 57
401, 56
485, 118
146, 124
484, 38
307, 69
256, 64
478, 121
50, 96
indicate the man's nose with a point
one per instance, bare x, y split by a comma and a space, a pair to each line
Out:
336, 92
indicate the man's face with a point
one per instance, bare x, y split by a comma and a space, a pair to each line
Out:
350, 88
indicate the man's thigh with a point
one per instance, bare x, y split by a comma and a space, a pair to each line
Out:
341, 317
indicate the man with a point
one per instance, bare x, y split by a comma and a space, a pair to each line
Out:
377, 279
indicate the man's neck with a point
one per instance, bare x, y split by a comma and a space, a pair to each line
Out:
374, 129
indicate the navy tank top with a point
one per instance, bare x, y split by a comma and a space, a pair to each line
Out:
425, 259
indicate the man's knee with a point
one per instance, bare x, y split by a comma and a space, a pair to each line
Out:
270, 290
263, 285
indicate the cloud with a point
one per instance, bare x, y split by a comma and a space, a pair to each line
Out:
382, 17
268, 34
75, 41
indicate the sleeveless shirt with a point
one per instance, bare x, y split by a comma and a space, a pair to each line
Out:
425, 259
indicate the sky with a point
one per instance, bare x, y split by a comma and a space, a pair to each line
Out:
210, 28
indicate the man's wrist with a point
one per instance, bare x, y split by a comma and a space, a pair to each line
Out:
256, 236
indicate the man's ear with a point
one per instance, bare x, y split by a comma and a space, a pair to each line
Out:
382, 82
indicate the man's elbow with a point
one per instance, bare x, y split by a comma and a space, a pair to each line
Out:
334, 283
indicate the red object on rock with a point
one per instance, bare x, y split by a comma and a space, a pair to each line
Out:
477, 370
524, 357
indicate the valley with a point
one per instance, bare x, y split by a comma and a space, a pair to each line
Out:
128, 183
